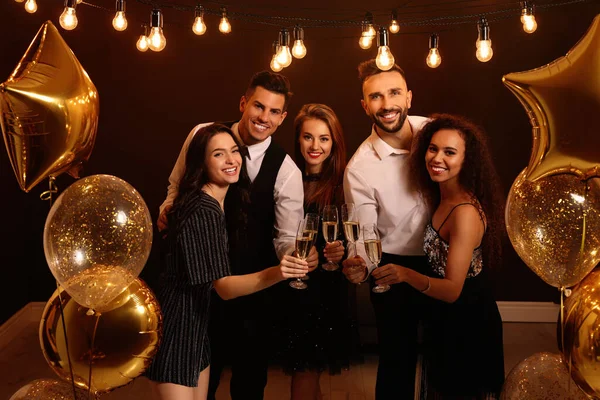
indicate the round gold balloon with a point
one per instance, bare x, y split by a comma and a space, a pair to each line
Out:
562, 100
582, 334
118, 345
49, 389
48, 111
543, 376
554, 226
97, 238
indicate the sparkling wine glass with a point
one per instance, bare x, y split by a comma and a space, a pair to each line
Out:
303, 245
373, 250
351, 225
330, 229
312, 229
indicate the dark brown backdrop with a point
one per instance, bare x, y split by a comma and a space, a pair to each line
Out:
150, 101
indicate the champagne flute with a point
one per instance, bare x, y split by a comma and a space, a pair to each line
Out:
330, 229
303, 245
351, 225
312, 229
373, 249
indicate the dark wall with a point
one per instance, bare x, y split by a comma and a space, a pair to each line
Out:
150, 101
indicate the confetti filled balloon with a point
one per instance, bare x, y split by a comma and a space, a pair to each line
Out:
582, 334
48, 111
97, 238
49, 389
543, 376
554, 226
117, 345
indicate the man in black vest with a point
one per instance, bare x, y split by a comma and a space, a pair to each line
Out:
239, 328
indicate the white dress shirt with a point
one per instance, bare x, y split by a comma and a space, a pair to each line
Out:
376, 181
288, 192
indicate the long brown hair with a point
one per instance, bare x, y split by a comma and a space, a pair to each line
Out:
332, 172
477, 176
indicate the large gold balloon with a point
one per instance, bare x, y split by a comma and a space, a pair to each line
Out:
582, 334
49, 389
554, 226
118, 345
562, 100
97, 238
542, 376
48, 111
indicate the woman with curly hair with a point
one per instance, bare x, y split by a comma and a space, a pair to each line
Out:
453, 170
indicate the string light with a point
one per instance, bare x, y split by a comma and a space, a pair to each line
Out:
299, 49
527, 17
394, 26
433, 58
79, 1
224, 25
31, 6
284, 56
119, 22
368, 32
142, 43
68, 18
385, 59
19, 1
199, 27
157, 40
275, 66
484, 51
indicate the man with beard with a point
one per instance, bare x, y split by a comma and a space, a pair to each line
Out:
262, 218
376, 181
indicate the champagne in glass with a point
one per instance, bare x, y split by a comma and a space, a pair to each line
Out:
351, 226
330, 230
373, 250
311, 229
304, 242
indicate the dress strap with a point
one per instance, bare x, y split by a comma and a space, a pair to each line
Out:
453, 208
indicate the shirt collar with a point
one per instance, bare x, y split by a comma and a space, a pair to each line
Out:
255, 150
382, 148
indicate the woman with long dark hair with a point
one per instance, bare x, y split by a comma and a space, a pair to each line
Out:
197, 261
452, 168
320, 334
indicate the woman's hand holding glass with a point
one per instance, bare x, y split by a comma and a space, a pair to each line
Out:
292, 267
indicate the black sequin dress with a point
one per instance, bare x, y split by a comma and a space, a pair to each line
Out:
464, 356
318, 330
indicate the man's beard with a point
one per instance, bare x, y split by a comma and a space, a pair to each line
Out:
397, 126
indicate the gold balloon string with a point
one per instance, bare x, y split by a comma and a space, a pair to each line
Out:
62, 317
52, 188
92, 356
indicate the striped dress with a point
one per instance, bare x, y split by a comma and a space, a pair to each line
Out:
197, 255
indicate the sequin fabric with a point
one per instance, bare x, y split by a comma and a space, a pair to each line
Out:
436, 249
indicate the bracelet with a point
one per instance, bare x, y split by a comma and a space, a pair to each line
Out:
428, 285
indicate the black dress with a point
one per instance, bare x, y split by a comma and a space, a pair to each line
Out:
318, 330
464, 356
197, 255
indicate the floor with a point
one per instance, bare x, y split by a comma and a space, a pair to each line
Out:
22, 362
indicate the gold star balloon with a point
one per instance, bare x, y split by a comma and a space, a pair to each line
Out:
553, 207
48, 111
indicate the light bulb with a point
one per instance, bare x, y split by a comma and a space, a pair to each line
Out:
224, 25
119, 22
157, 39
79, 1
484, 51
299, 49
433, 58
142, 43
19, 1
284, 56
394, 26
275, 66
385, 59
199, 27
365, 42
31, 6
529, 23
371, 31
68, 19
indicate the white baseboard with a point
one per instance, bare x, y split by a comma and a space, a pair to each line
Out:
511, 311
528, 311
21, 320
